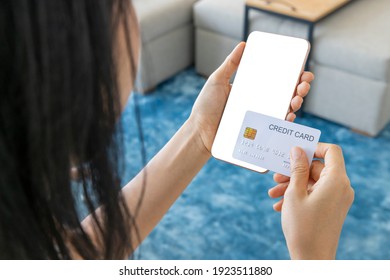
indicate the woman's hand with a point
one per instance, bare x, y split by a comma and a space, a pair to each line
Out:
208, 108
315, 204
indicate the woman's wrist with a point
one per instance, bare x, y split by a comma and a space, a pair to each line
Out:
310, 251
195, 132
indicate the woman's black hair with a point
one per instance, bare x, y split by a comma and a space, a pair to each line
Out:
59, 105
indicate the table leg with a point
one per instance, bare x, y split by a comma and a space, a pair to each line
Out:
310, 39
246, 23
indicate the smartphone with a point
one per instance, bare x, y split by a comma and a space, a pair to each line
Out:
265, 82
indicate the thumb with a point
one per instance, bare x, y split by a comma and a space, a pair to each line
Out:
299, 171
230, 65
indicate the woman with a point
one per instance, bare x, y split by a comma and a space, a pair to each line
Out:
67, 68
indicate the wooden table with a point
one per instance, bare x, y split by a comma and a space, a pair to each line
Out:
306, 11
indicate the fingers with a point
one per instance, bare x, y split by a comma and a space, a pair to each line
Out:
303, 89
291, 117
279, 178
299, 172
278, 205
307, 77
230, 65
316, 169
332, 154
283, 181
278, 190
296, 103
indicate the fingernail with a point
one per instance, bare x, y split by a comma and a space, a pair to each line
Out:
296, 153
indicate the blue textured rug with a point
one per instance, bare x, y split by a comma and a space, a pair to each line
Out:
225, 213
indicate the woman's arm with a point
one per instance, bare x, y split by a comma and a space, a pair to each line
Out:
166, 177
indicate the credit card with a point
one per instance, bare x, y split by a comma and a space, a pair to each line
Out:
266, 142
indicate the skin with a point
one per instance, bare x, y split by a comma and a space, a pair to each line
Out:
122, 59
189, 149
315, 204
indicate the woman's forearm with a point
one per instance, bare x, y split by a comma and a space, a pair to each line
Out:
167, 175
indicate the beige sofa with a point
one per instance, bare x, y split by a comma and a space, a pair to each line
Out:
167, 32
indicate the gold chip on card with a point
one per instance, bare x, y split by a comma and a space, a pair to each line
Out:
250, 133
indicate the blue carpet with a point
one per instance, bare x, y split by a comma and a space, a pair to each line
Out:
225, 213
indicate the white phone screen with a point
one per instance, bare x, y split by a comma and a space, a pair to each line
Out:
265, 83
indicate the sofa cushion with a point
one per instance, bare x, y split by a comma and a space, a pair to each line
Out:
158, 17
355, 39
220, 16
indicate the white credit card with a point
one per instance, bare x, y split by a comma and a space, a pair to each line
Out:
266, 142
